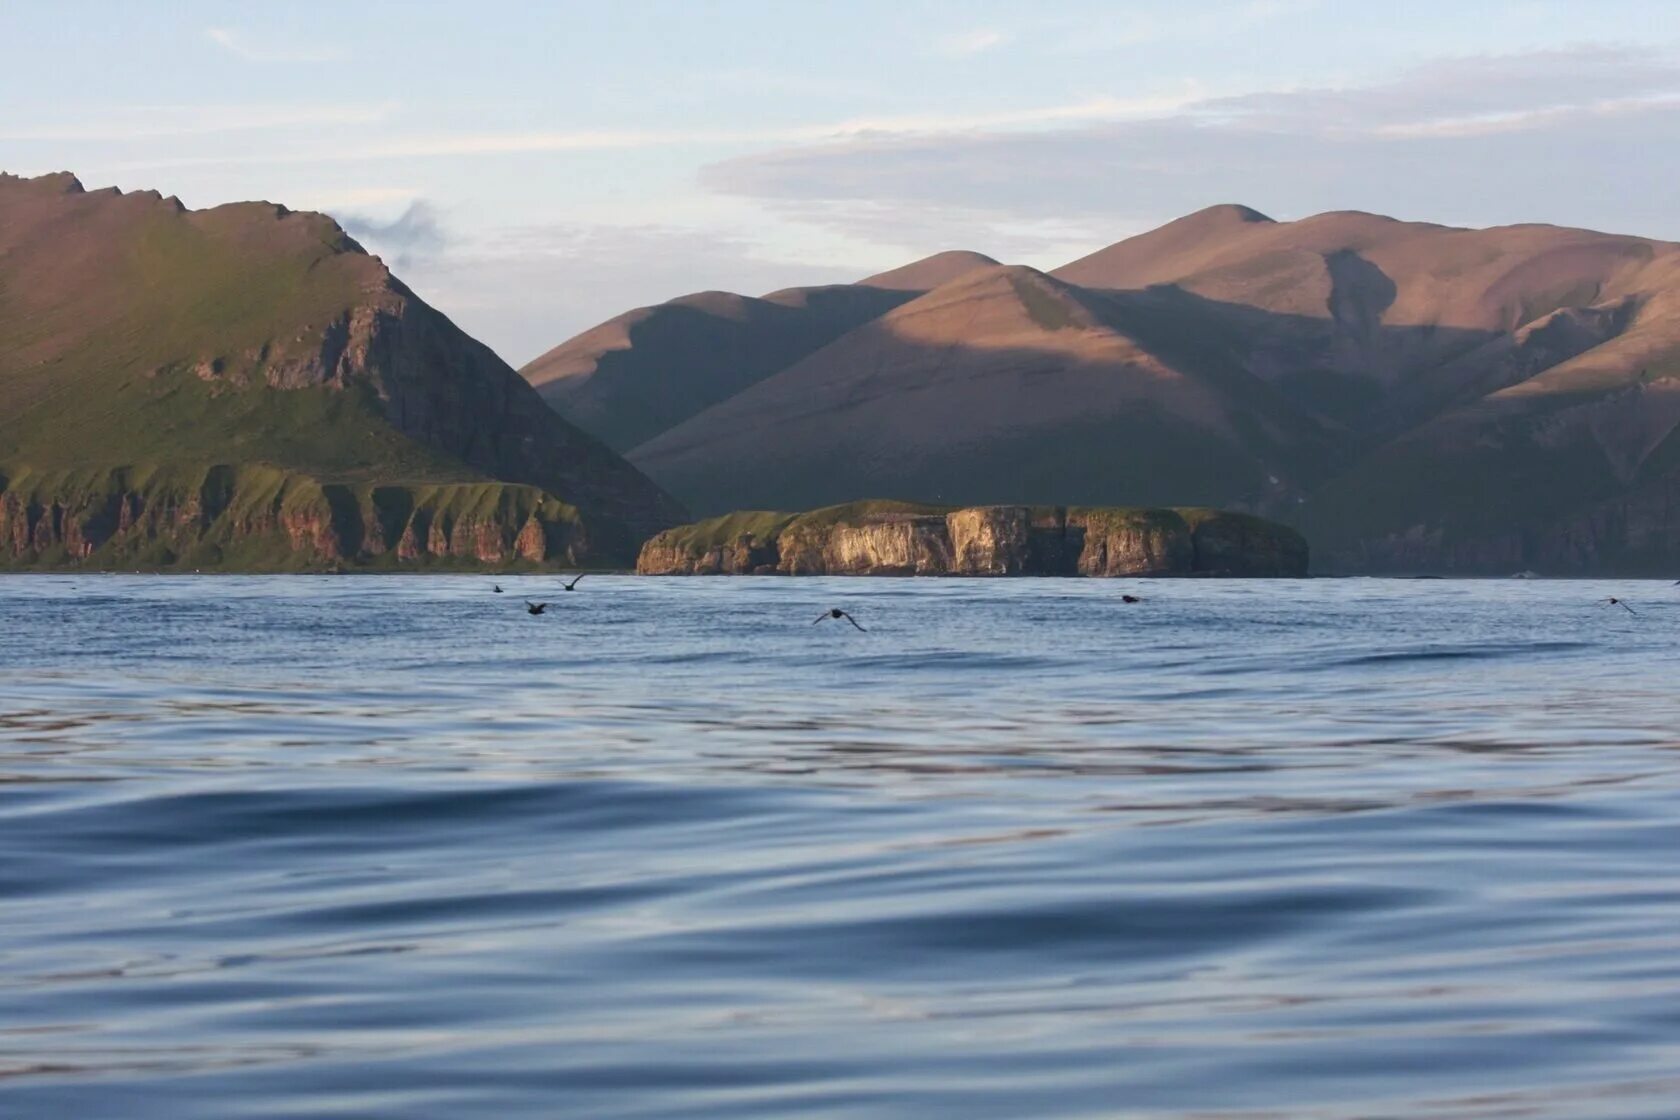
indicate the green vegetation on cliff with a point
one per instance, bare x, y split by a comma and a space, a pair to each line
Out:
257, 518
715, 532
864, 512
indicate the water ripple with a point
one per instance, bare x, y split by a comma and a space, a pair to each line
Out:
369, 847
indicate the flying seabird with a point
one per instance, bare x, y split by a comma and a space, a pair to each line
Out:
572, 585
1615, 602
1130, 599
496, 587
836, 612
535, 608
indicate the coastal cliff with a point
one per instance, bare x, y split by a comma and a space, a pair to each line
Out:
902, 538
263, 519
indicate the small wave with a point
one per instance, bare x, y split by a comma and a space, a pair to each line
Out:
963, 660
1459, 653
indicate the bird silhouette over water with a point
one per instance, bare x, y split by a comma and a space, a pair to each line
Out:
496, 587
1615, 602
1130, 599
535, 608
573, 585
836, 612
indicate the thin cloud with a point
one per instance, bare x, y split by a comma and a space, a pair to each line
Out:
236, 43
415, 234
973, 42
483, 144
1488, 124
1515, 89
1466, 137
352, 200
130, 122
1127, 29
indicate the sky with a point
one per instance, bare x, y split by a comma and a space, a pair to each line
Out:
533, 169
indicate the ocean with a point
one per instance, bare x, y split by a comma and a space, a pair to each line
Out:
362, 846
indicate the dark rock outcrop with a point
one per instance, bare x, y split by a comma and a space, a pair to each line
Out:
897, 538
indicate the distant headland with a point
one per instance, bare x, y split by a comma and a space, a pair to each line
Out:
887, 538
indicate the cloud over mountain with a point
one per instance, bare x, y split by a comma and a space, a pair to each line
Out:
1465, 139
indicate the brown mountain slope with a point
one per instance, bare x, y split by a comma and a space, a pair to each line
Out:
1004, 385
1367, 307
632, 377
1575, 468
1415, 394
1524, 378
647, 370
930, 272
1479, 279
142, 337
1168, 252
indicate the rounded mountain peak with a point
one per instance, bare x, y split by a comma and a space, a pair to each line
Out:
1224, 214
1165, 252
929, 272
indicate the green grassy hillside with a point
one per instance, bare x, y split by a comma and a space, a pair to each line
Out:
145, 342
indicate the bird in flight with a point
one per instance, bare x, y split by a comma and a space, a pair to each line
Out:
836, 612
1615, 602
572, 585
1130, 599
496, 587
535, 608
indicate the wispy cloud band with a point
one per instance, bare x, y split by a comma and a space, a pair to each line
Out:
240, 45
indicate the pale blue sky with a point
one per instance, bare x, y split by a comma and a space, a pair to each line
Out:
531, 169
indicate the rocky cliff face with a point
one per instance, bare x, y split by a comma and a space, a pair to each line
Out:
879, 538
395, 344
261, 519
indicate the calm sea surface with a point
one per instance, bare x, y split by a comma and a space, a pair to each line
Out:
391, 847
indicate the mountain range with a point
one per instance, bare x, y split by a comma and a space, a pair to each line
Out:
1413, 396
247, 386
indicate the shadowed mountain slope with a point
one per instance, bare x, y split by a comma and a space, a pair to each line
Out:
650, 369
1004, 385
139, 335
633, 377
1513, 392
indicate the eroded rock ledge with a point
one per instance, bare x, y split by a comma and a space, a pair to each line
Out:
266, 519
901, 538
